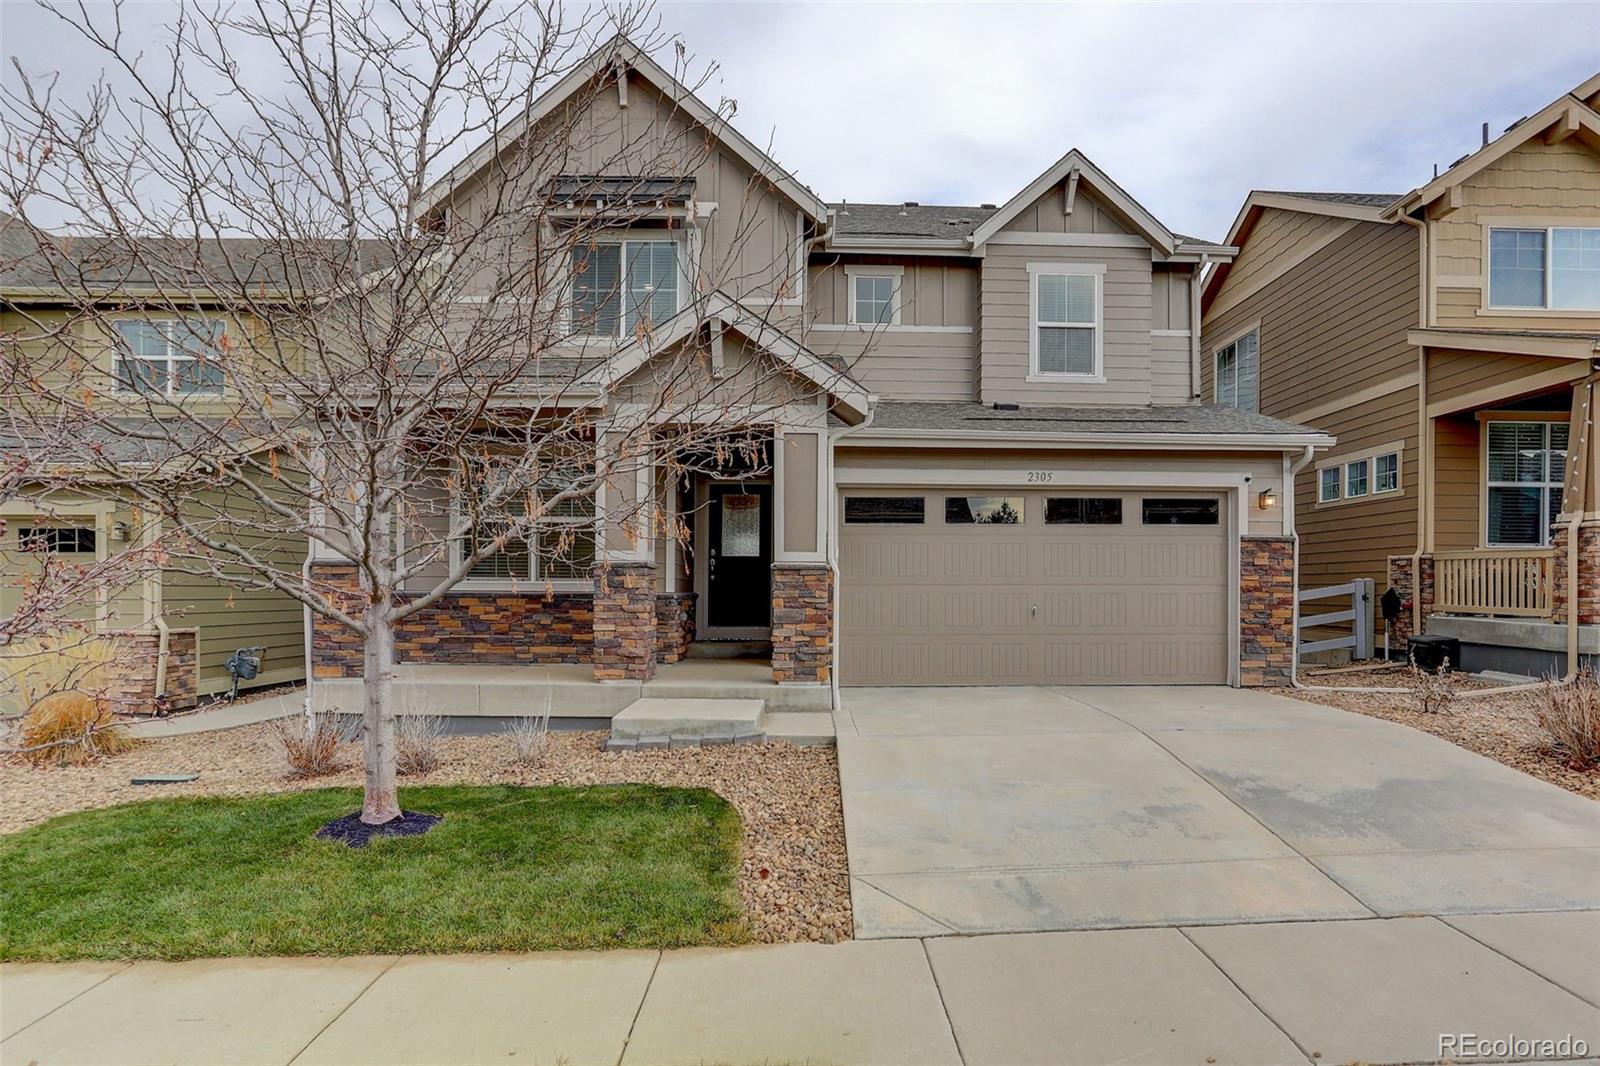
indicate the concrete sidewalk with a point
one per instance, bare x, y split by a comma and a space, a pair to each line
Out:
221, 716
1373, 990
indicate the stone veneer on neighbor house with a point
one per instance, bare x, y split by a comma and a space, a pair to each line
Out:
1588, 574
1266, 611
132, 685
802, 623
1400, 579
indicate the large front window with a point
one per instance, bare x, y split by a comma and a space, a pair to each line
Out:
1066, 324
1526, 464
561, 546
1557, 268
619, 286
169, 357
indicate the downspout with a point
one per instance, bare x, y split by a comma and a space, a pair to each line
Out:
162, 645
307, 627
833, 541
1424, 445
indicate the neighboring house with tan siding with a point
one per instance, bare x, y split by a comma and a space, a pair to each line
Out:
1449, 337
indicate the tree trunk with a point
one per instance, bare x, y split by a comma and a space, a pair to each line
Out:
381, 802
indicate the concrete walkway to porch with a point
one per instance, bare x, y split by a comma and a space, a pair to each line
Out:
1370, 990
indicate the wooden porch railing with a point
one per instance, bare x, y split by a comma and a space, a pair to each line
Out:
1513, 582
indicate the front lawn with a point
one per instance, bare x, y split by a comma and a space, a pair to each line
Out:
509, 869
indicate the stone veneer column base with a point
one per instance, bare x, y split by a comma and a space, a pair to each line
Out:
674, 625
1266, 611
1400, 579
1588, 583
131, 688
625, 621
802, 623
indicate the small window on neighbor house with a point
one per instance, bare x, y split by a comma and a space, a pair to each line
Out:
873, 299
1355, 479
884, 510
1083, 511
1557, 268
1328, 484
62, 540
1238, 373
1386, 473
169, 357
983, 510
1159, 511
1527, 468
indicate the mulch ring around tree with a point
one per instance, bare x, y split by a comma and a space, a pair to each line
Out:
353, 831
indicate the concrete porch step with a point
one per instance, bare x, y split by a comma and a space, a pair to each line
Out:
661, 722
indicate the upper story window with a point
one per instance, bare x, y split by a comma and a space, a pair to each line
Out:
1237, 381
1525, 465
1556, 268
1353, 477
1066, 328
617, 286
169, 357
872, 299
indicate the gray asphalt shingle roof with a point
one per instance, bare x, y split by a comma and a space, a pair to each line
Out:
900, 220
1355, 199
980, 418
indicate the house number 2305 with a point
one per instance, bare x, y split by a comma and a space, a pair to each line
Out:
1040, 477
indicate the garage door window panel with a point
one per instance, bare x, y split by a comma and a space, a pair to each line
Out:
1167, 511
983, 510
1083, 511
884, 510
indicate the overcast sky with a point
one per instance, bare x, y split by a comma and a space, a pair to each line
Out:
1188, 106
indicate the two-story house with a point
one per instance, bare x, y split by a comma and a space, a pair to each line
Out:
1449, 338
991, 463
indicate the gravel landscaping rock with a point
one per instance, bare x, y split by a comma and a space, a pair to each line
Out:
1503, 727
794, 880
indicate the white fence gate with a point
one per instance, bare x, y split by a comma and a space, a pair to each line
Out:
1359, 615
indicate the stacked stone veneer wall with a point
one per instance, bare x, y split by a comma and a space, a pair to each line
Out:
674, 625
802, 623
1588, 580
463, 627
625, 622
131, 687
1266, 611
1402, 581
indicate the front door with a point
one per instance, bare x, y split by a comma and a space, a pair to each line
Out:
739, 558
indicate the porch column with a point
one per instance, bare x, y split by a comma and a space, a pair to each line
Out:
1412, 590
625, 621
802, 623
1581, 497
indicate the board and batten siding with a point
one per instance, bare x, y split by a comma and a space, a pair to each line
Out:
932, 354
1333, 323
1537, 185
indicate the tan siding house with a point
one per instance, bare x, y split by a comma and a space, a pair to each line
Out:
1450, 339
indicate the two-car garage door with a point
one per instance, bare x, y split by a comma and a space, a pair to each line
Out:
1003, 586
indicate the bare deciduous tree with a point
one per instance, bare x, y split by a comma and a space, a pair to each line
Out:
259, 320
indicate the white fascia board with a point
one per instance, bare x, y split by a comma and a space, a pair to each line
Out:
1150, 226
598, 61
923, 438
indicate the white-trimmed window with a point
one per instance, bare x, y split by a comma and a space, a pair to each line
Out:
1065, 341
1356, 478
169, 357
1360, 475
1237, 378
1556, 268
1328, 484
618, 285
1524, 466
874, 299
560, 550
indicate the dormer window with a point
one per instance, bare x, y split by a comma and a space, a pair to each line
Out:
1556, 268
875, 296
1065, 341
617, 286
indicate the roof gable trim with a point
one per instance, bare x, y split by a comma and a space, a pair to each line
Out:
1069, 170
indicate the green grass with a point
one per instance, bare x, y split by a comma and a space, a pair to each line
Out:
509, 869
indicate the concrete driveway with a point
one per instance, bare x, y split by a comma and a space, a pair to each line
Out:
987, 810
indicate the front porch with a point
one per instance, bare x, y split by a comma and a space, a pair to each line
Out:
569, 692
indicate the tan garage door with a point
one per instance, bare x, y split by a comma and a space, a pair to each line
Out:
1003, 587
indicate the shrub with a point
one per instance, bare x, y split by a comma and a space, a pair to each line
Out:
1435, 692
70, 728
35, 668
530, 739
1571, 715
418, 743
310, 743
